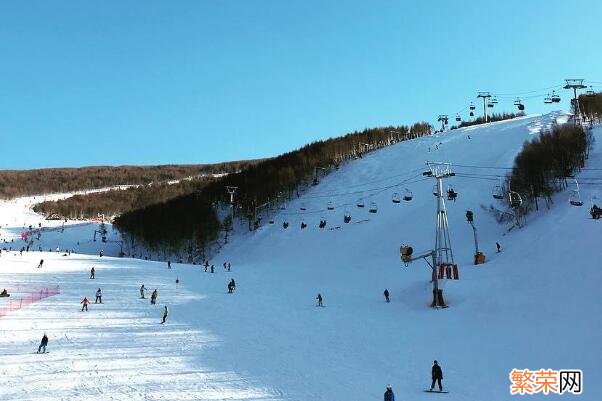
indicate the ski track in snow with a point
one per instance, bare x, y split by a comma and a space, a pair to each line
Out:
531, 306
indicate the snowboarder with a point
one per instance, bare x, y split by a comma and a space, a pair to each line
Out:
165, 313
389, 395
386, 294
206, 265
142, 289
225, 266
499, 247
98, 296
4, 293
85, 303
154, 297
41, 263
229, 266
92, 273
43, 344
437, 375
169, 264
230, 287
319, 298
212, 269
101, 253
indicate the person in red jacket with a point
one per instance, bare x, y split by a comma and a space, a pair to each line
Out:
85, 303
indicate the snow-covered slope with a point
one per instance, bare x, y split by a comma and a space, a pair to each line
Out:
531, 306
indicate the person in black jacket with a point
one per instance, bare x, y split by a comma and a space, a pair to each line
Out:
386, 294
389, 395
437, 375
43, 344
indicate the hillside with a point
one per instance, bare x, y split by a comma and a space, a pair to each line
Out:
531, 306
14, 183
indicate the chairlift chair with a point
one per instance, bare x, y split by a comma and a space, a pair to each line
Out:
547, 99
360, 202
521, 107
555, 97
373, 207
451, 194
472, 107
395, 198
515, 199
497, 192
330, 205
575, 197
302, 207
407, 196
489, 104
494, 100
590, 92
435, 190
458, 118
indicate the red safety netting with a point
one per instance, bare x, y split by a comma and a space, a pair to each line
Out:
25, 297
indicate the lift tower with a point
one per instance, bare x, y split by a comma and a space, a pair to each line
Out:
575, 84
485, 96
443, 249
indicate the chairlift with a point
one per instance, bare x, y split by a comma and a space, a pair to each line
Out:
555, 97
490, 104
451, 194
575, 196
271, 221
407, 196
330, 205
347, 217
360, 202
548, 99
373, 207
515, 199
472, 107
436, 190
302, 207
590, 92
395, 198
494, 100
497, 192
458, 118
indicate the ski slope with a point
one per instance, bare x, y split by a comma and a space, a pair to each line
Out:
531, 306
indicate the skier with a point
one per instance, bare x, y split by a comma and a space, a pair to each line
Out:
85, 303
212, 269
41, 263
177, 281
92, 273
230, 287
229, 266
154, 297
437, 375
98, 296
169, 264
386, 294
499, 247
225, 266
101, 253
43, 344
165, 313
142, 289
319, 298
389, 395
206, 265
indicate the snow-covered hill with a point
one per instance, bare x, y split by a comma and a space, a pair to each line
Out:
531, 306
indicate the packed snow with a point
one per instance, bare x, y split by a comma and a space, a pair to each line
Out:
533, 305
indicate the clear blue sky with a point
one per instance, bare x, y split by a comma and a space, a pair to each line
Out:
154, 82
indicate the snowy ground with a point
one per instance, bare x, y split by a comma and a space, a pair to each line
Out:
531, 306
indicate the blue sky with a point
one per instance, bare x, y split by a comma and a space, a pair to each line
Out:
156, 82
